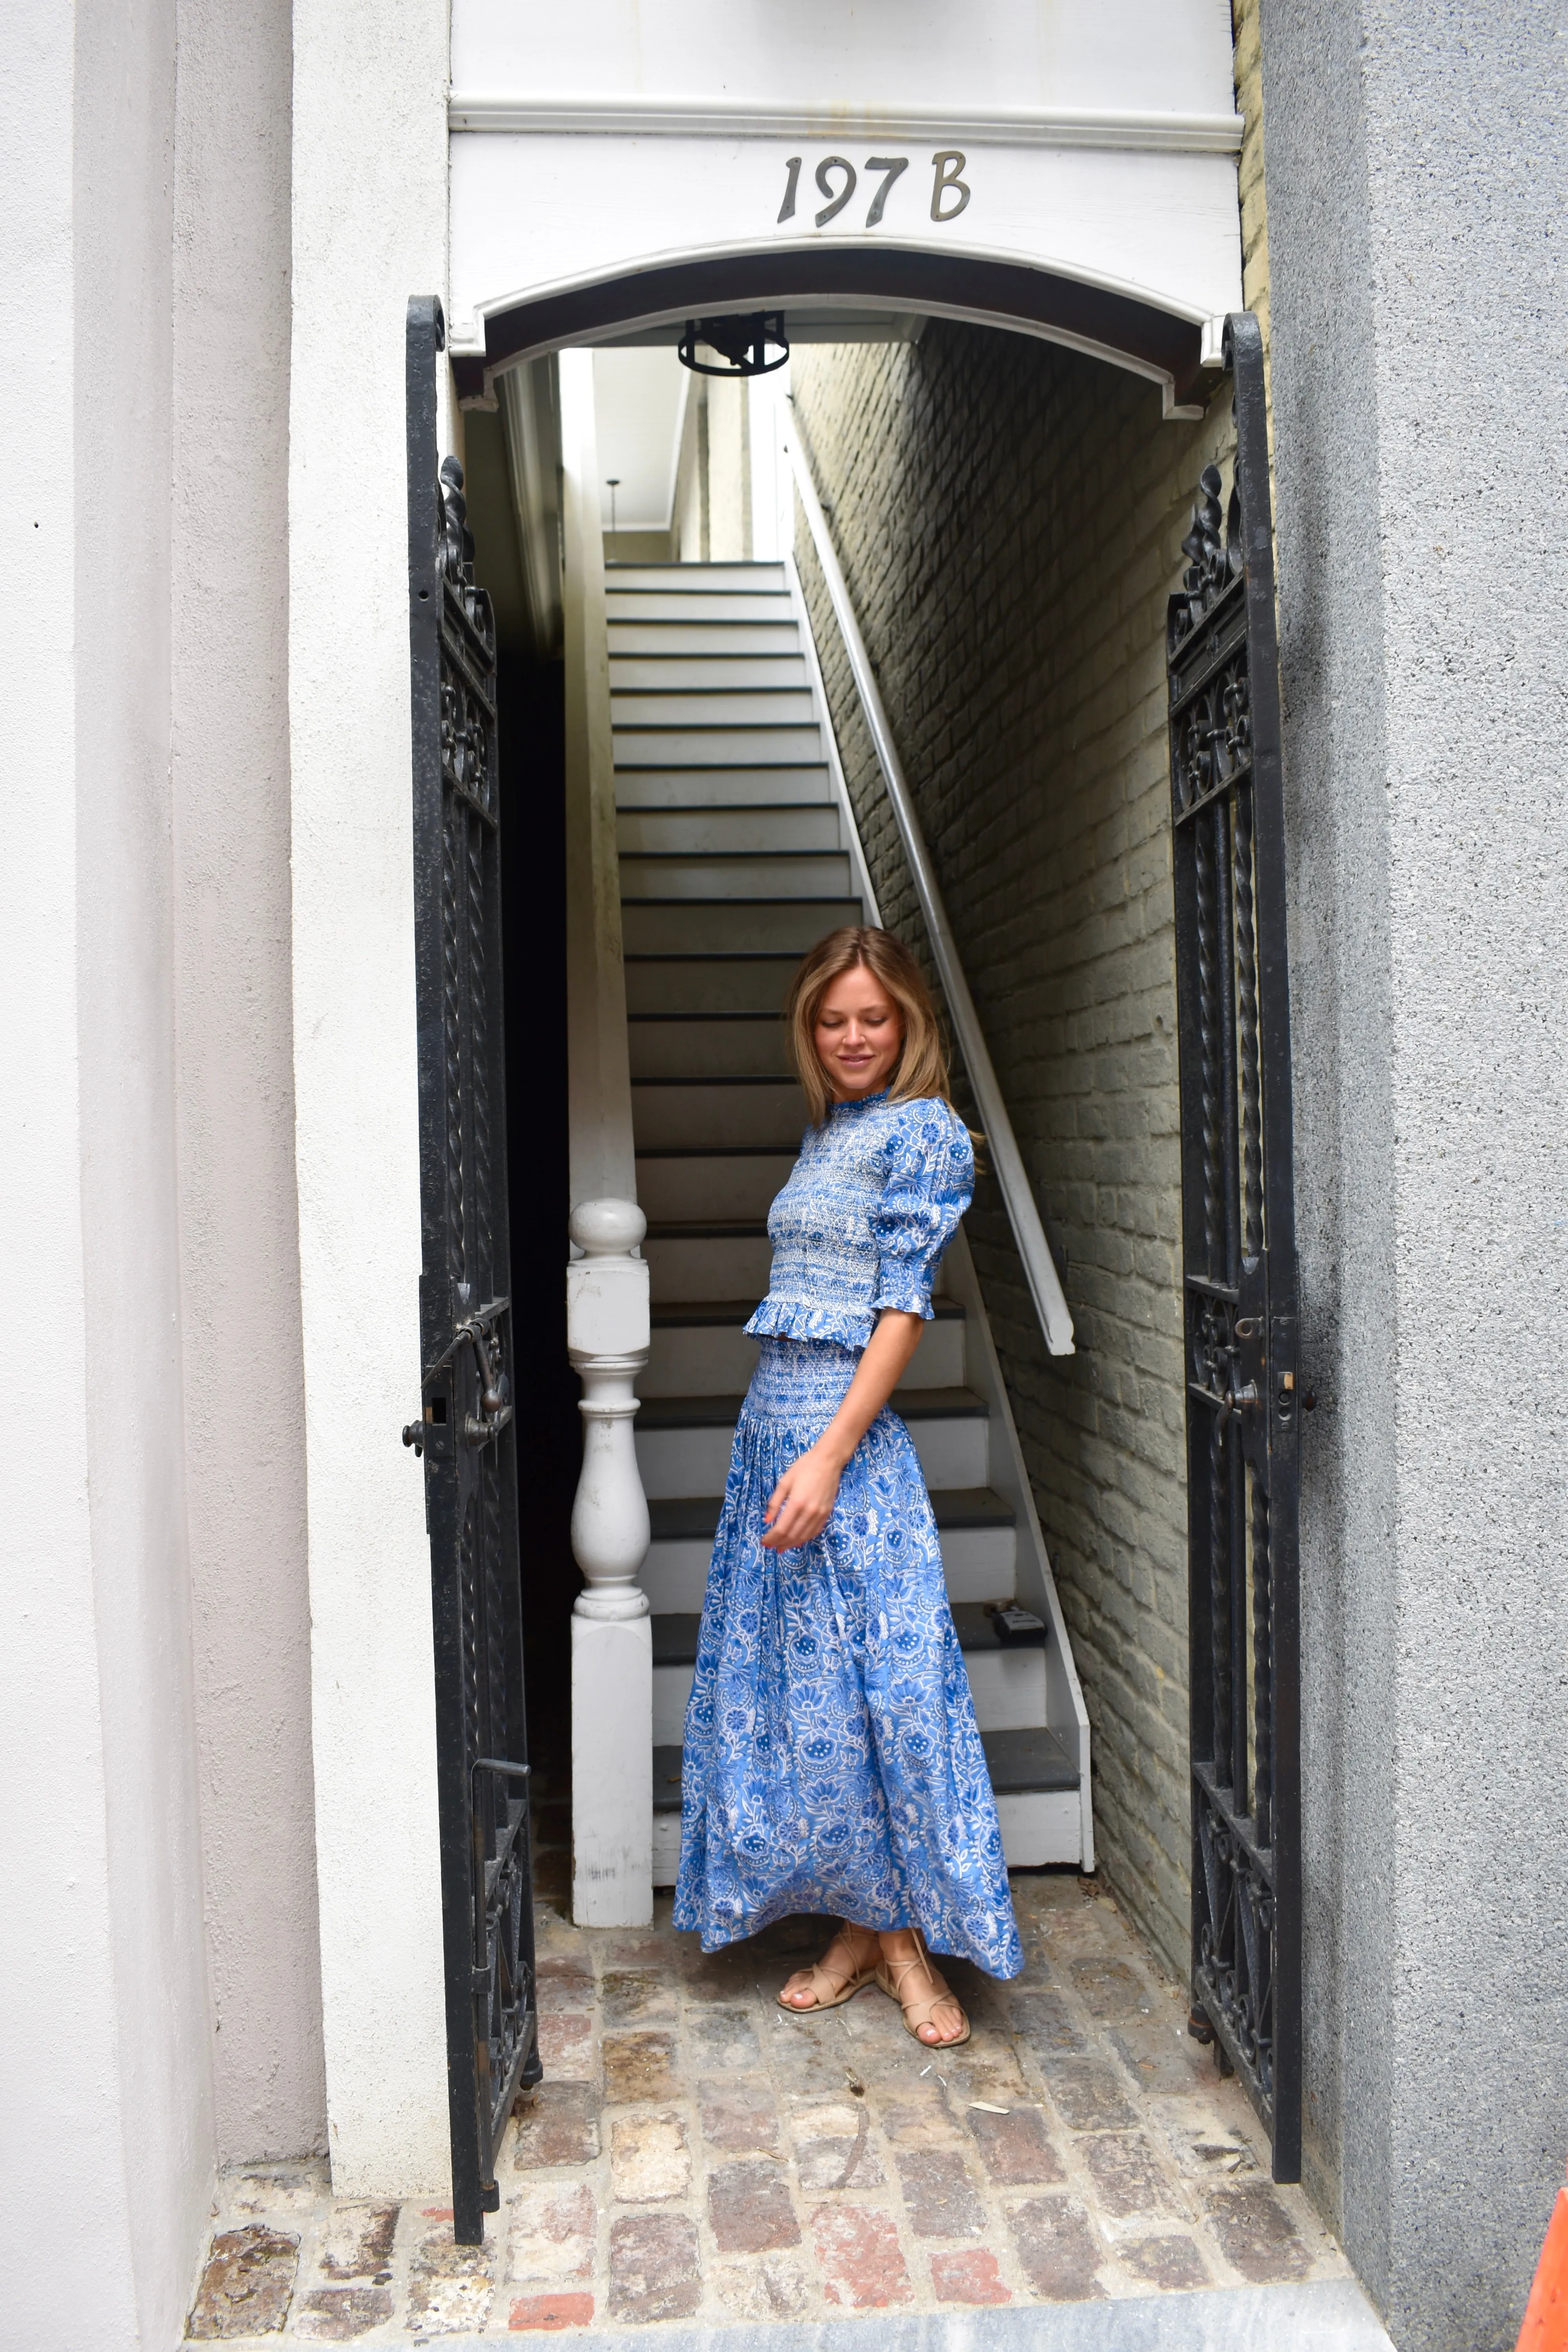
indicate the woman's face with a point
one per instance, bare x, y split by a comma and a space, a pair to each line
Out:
858, 1035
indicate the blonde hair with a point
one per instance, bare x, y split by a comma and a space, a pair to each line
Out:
921, 1071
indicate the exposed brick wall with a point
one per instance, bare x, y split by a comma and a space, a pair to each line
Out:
1009, 517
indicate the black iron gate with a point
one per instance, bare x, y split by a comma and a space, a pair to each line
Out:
466, 1429
1239, 1237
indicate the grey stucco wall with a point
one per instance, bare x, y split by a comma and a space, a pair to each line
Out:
1414, 179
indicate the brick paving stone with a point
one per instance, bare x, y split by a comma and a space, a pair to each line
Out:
859, 2253
552, 2232
1043, 2021
1256, 2235
807, 2061
1161, 2054
775, 2286
653, 2267
1206, 2146
969, 2276
726, 1976
648, 2159
1126, 2172
834, 2149
1015, 2148
358, 2243
1110, 1990
986, 2068
639, 2067
740, 2117
337, 2314
637, 1996
1057, 2249
939, 2195
722, 2041
559, 2124
246, 2285
566, 1982
550, 2312
1088, 2096
566, 2045
269, 2191
450, 2286
749, 2210
1173, 2264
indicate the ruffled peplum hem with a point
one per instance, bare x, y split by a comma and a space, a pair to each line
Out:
832, 1764
784, 1318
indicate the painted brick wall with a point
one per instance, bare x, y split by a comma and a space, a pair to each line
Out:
1009, 517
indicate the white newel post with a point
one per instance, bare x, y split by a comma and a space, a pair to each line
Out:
612, 1635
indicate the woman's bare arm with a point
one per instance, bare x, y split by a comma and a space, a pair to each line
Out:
802, 1503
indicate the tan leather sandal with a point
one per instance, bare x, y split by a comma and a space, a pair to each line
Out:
840, 1989
892, 1975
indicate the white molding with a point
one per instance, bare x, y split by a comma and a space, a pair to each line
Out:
722, 118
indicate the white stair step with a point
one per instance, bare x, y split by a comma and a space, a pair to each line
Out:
755, 874
681, 606
750, 1043
741, 1111
668, 671
690, 577
683, 1444
697, 636
717, 927
704, 832
978, 1550
726, 1187
701, 1350
717, 746
708, 1264
747, 982
688, 788
781, 706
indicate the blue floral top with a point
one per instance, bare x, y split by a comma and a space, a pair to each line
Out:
869, 1207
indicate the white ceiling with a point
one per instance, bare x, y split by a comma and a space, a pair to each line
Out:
639, 397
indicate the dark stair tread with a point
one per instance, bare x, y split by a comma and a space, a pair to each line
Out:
675, 1633
720, 1411
718, 1151
708, 1229
1020, 1763
728, 1078
670, 1314
685, 1518
704, 1017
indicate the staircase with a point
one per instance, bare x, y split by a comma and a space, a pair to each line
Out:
737, 851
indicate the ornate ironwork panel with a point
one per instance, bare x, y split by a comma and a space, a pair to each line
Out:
1240, 1295
466, 1431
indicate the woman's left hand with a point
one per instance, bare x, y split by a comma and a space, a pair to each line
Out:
802, 1503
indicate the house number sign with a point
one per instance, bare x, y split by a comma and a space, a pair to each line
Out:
836, 179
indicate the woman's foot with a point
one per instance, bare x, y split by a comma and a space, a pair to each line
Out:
851, 1960
933, 2015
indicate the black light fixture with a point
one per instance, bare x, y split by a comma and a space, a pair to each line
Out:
743, 343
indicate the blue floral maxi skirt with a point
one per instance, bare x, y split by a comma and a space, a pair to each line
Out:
832, 1760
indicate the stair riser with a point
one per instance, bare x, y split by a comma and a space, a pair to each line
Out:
703, 833
699, 1114
705, 1359
725, 706
659, 787
631, 638
816, 875
696, 1461
728, 1190
683, 1272
714, 747
637, 604
672, 1688
735, 984
978, 1563
698, 1049
718, 930
722, 671
662, 579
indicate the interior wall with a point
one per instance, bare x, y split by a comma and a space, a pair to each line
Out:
1009, 517
243, 1367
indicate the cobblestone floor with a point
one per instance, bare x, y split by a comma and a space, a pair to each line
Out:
695, 2154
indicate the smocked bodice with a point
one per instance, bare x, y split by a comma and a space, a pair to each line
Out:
870, 1206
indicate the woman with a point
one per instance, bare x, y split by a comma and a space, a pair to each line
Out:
832, 1763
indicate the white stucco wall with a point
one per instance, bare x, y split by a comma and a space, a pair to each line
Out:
370, 230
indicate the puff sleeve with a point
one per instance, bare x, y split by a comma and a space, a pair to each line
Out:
930, 1183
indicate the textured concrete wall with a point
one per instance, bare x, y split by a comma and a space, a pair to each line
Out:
1416, 178
1009, 517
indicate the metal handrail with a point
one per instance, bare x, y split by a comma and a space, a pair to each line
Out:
1007, 1159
